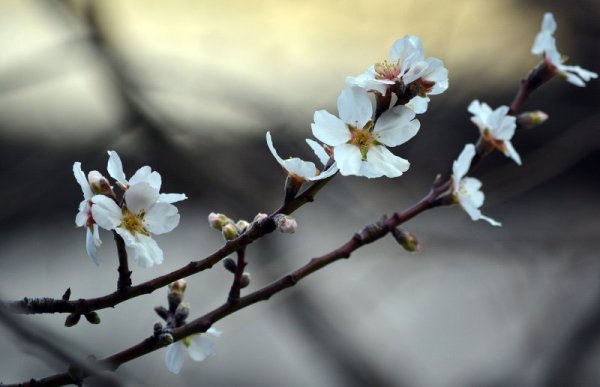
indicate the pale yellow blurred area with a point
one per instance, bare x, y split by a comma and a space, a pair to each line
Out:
243, 67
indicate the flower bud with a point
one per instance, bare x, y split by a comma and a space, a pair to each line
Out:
260, 217
72, 319
157, 328
165, 338
285, 223
162, 312
245, 280
230, 231
528, 120
92, 318
406, 240
99, 184
242, 225
230, 264
217, 221
182, 312
178, 286
174, 299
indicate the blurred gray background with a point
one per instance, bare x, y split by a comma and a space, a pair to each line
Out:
191, 87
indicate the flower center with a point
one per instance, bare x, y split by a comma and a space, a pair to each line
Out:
363, 138
387, 70
133, 223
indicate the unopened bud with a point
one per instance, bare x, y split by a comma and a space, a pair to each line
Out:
72, 319
174, 300
285, 223
245, 280
230, 264
217, 221
242, 225
178, 286
260, 217
99, 184
528, 120
157, 328
406, 240
162, 312
182, 312
230, 231
92, 318
165, 338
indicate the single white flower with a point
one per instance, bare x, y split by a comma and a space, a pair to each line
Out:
496, 127
144, 174
198, 346
142, 215
84, 216
545, 44
359, 144
407, 65
466, 190
304, 170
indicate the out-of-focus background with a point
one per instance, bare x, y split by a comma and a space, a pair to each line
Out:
191, 87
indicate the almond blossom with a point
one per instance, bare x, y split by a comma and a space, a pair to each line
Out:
466, 190
141, 215
143, 174
304, 170
198, 346
84, 216
545, 44
359, 143
496, 127
407, 66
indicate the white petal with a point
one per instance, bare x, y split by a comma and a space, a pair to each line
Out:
200, 347
481, 110
407, 50
300, 168
549, 23
82, 180
471, 186
368, 171
348, 159
368, 81
214, 331
272, 149
395, 127
319, 151
145, 250
469, 207
490, 220
161, 218
511, 152
418, 104
329, 129
415, 72
84, 211
462, 164
174, 357
381, 159
171, 197
106, 213
325, 174
354, 106
140, 197
145, 175
115, 167
91, 245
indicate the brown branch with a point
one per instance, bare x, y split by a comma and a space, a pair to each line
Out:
236, 286
124, 280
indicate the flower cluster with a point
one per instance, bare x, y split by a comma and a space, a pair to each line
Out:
545, 44
142, 212
357, 140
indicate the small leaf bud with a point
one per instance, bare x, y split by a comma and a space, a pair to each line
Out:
162, 312
406, 240
66, 295
182, 312
72, 319
174, 300
245, 280
260, 217
165, 338
217, 221
230, 231
230, 264
285, 223
242, 225
528, 120
157, 328
92, 317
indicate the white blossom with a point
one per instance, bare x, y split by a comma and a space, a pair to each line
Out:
359, 143
141, 215
304, 170
198, 346
496, 127
84, 217
144, 174
466, 190
407, 65
545, 44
